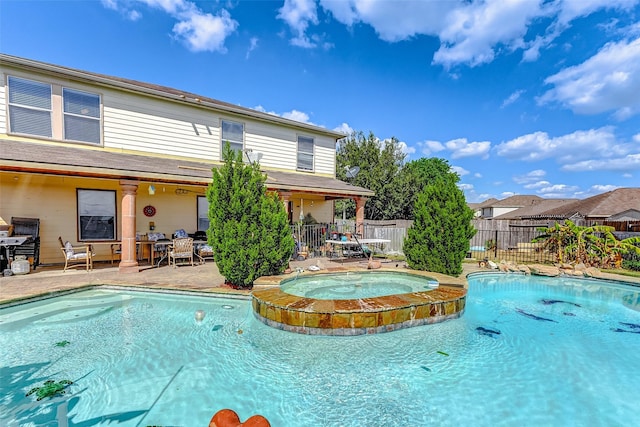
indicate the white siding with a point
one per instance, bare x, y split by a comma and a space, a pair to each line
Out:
144, 124
3, 106
138, 123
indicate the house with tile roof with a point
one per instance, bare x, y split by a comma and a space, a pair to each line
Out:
102, 159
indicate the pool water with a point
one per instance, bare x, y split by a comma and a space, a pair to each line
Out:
370, 284
527, 351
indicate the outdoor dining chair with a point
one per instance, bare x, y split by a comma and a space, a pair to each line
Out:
182, 248
75, 256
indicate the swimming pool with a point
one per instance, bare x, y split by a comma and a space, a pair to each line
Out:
528, 351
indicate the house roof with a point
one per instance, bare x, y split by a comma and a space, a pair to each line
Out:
73, 161
478, 206
600, 206
535, 209
517, 201
154, 90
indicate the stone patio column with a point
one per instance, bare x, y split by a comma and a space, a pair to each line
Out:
128, 261
285, 196
360, 202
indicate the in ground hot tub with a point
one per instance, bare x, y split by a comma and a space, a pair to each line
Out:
355, 303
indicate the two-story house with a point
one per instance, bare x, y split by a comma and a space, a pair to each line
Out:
102, 159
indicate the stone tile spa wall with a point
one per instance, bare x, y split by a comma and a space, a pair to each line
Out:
293, 313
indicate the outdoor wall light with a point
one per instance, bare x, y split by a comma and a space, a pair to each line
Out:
199, 315
152, 190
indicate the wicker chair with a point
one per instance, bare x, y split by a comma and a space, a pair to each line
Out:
76, 255
181, 248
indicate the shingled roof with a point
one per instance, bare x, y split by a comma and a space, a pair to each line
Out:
72, 161
601, 206
533, 211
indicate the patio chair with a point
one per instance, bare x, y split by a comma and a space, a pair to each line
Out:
76, 255
116, 252
181, 248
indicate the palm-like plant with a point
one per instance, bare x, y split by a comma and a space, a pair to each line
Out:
595, 245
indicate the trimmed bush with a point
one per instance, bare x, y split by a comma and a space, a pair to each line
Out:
439, 238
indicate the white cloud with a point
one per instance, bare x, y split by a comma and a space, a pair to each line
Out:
298, 14
198, 30
204, 31
465, 187
473, 31
344, 128
405, 148
628, 163
603, 188
532, 176
608, 81
558, 190
296, 115
460, 170
393, 21
564, 149
462, 148
429, 147
539, 184
253, 44
512, 98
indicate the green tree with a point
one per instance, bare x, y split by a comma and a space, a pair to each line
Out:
380, 164
248, 228
415, 175
439, 238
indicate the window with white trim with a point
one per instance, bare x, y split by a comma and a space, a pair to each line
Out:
233, 132
81, 116
29, 107
305, 153
203, 213
96, 215
34, 111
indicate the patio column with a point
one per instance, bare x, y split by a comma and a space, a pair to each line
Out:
360, 201
285, 196
128, 261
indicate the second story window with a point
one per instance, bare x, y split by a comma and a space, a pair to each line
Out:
81, 116
233, 132
36, 109
305, 153
29, 107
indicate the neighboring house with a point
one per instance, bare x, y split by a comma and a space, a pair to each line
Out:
101, 159
531, 211
477, 207
602, 207
501, 207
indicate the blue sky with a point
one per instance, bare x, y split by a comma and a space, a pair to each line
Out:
521, 97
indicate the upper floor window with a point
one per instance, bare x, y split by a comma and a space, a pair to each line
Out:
29, 107
233, 132
96, 215
81, 116
305, 153
32, 111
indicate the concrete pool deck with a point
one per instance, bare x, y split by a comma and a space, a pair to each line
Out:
201, 278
